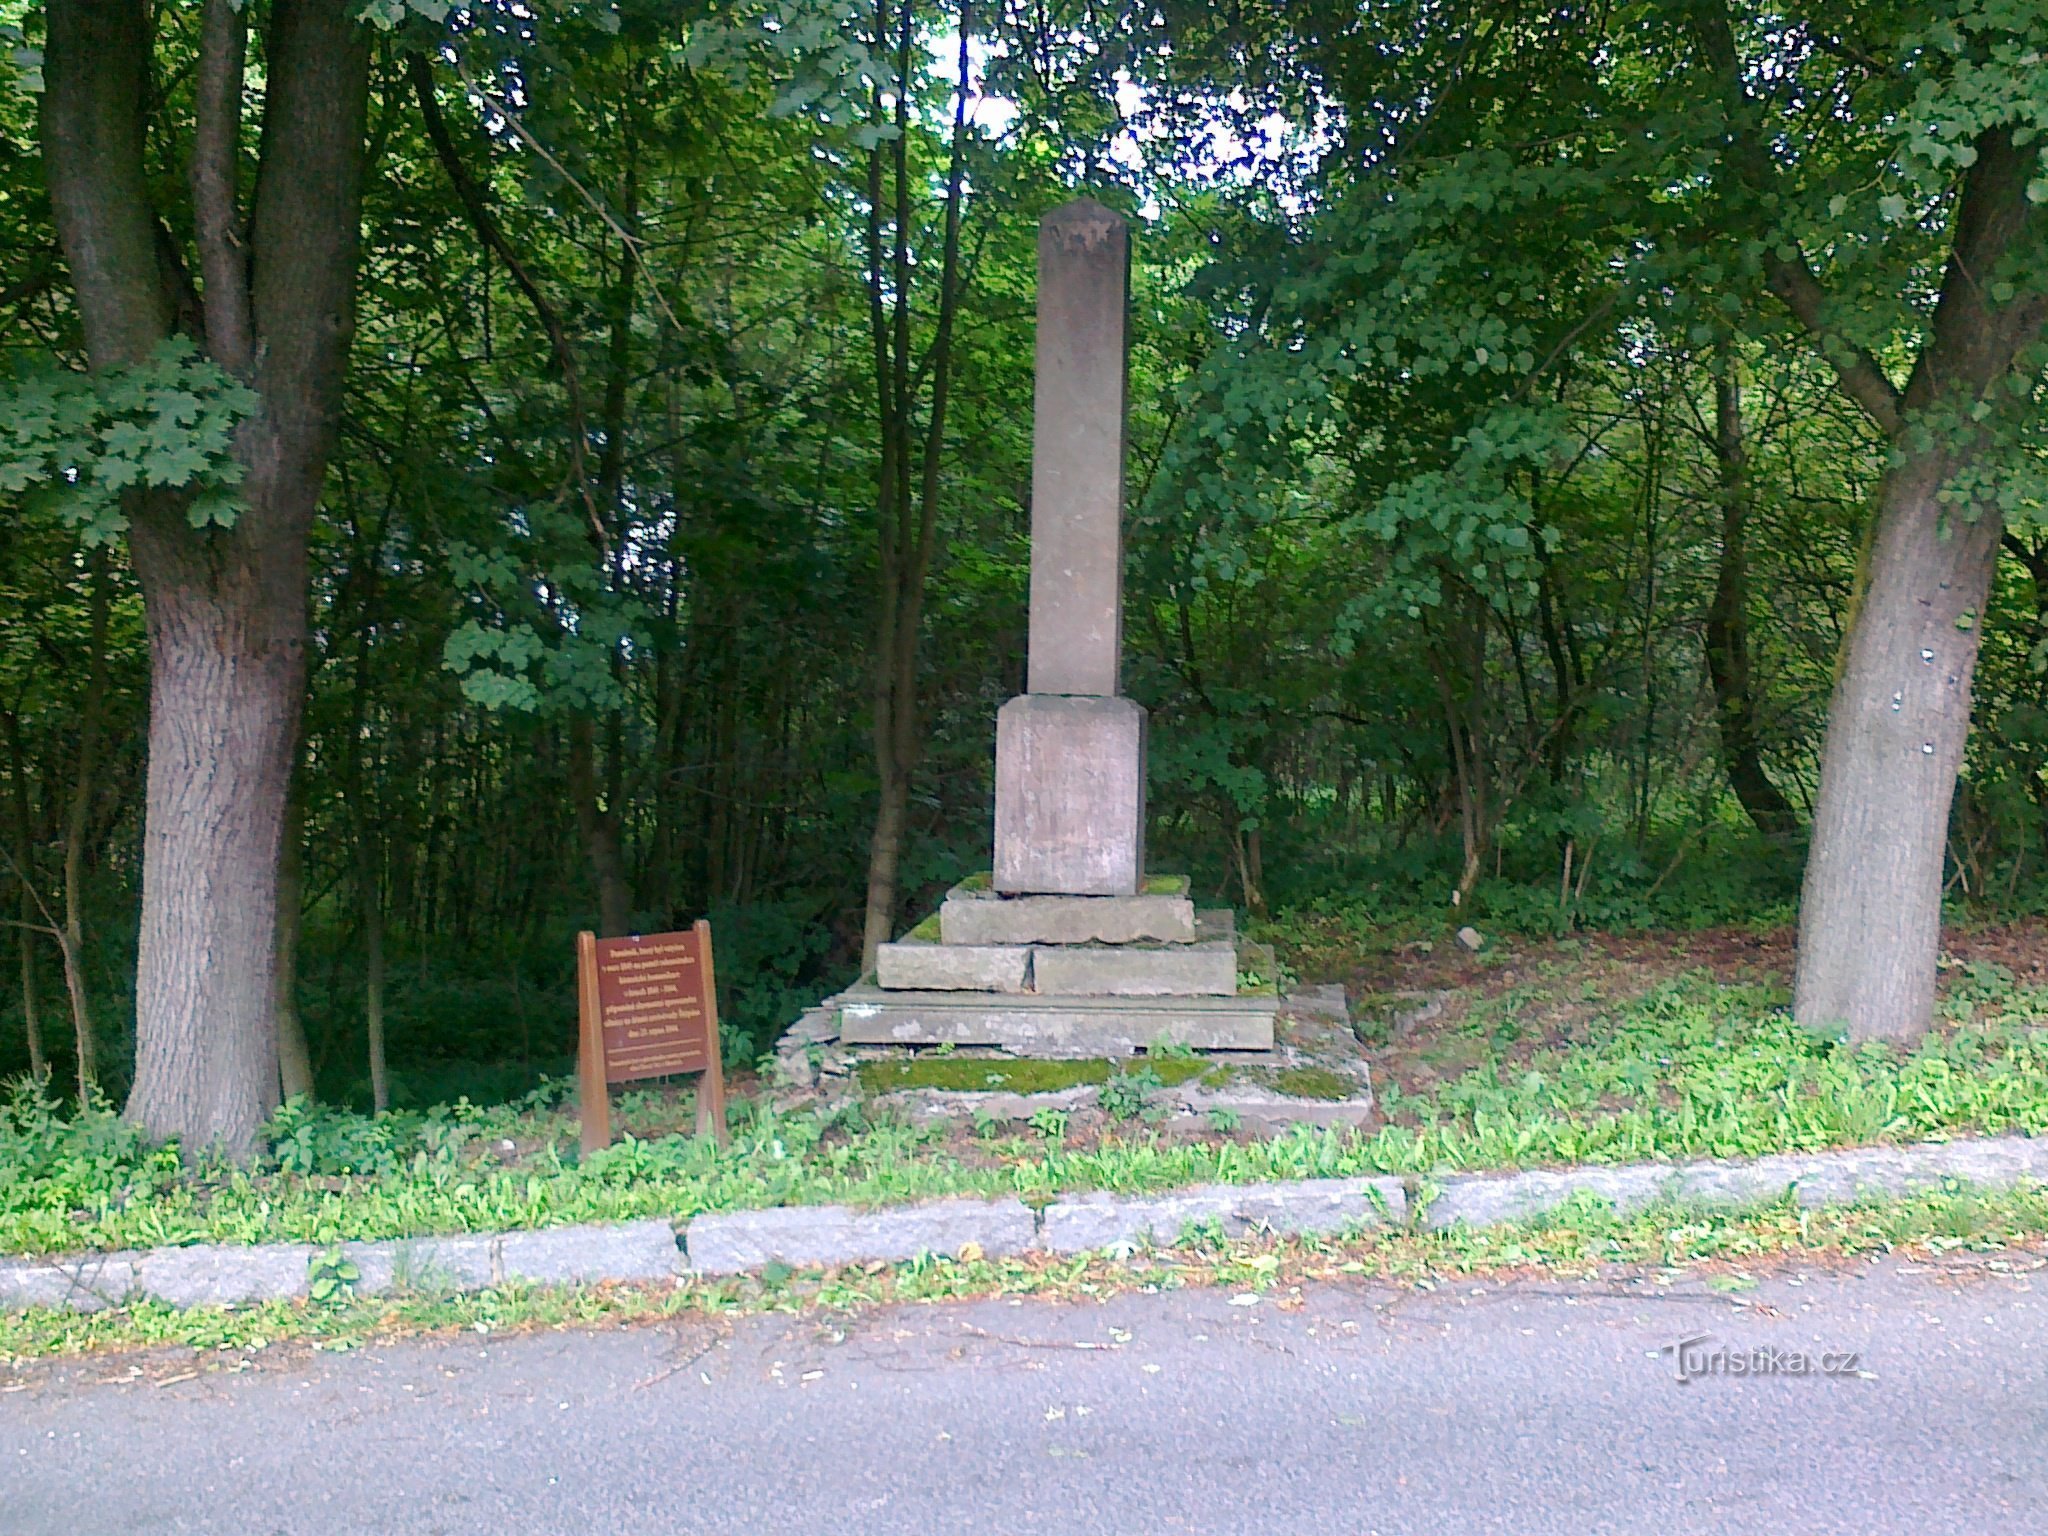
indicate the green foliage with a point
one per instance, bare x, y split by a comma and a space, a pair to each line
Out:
1125, 1094
80, 443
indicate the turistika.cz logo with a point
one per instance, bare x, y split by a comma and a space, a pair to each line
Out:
1698, 1355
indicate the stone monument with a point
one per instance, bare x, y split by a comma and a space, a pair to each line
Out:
1067, 948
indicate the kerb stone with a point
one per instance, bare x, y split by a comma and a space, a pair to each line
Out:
918, 967
1070, 796
431, 1265
82, 1284
1088, 1222
816, 1236
982, 917
640, 1250
224, 1275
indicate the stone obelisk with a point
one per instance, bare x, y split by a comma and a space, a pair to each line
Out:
1070, 754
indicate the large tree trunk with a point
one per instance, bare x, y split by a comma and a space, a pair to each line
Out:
1728, 651
225, 608
226, 675
1870, 918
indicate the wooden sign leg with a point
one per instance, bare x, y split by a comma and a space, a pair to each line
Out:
711, 1091
593, 1093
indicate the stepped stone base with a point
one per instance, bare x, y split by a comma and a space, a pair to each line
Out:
1036, 1024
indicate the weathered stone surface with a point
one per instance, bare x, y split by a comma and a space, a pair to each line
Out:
1039, 1025
1077, 460
83, 1284
821, 1235
223, 1275
1319, 1002
1480, 1200
1815, 1179
983, 917
915, 967
1070, 796
431, 1265
639, 1250
1134, 970
1086, 1222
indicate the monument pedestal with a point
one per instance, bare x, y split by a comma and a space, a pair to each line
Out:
1072, 976
1070, 796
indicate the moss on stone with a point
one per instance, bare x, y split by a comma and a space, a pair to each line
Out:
977, 882
1001, 1074
926, 932
1165, 885
1313, 1083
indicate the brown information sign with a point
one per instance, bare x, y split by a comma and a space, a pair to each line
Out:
649, 1008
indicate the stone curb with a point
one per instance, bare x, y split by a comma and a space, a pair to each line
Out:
1814, 1179
1088, 1222
735, 1242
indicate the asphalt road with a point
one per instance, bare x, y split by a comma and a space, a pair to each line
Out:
1525, 1408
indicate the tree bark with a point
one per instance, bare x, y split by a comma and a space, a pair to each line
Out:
1728, 649
294, 1058
77, 825
599, 826
225, 608
1870, 915
24, 839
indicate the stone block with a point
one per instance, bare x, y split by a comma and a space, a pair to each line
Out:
639, 1250
1070, 796
81, 1283
1086, 1222
225, 1274
1135, 970
1058, 1027
915, 967
984, 917
431, 1265
1077, 458
817, 1236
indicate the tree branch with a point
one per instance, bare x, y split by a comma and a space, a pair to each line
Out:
216, 209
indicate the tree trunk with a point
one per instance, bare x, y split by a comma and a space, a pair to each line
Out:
1728, 653
225, 608
599, 827
225, 690
371, 897
1870, 915
24, 839
77, 824
294, 1058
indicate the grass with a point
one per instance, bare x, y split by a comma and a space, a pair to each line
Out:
1582, 1240
1691, 1069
